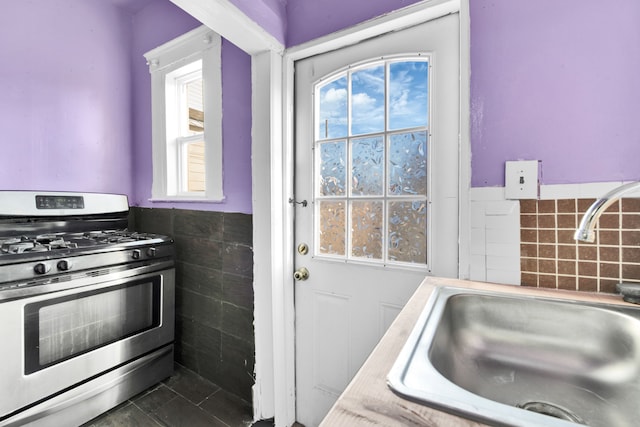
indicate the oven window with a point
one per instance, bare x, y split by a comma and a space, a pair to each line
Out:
61, 328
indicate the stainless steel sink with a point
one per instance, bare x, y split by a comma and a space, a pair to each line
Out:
512, 360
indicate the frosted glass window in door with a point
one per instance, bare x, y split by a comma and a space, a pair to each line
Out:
408, 163
371, 173
367, 166
333, 227
366, 229
407, 231
333, 168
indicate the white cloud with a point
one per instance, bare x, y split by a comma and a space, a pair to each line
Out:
362, 100
399, 102
334, 96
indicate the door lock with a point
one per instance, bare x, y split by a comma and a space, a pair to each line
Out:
303, 249
301, 274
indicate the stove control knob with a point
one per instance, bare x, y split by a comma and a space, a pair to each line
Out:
136, 254
63, 265
41, 268
151, 252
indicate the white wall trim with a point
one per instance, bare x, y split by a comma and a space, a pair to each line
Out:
263, 240
585, 190
271, 386
464, 209
226, 19
275, 298
578, 191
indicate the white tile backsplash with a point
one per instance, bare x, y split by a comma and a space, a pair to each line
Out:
495, 236
478, 270
495, 227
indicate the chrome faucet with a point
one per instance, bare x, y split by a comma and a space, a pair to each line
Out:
585, 231
630, 291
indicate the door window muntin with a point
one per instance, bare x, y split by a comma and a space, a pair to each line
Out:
339, 190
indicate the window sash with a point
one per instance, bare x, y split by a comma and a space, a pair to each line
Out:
182, 145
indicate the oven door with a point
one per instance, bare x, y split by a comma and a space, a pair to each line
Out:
58, 340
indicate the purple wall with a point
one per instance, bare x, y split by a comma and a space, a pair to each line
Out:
555, 81
75, 110
65, 96
552, 81
153, 26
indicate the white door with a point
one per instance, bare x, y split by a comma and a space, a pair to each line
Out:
376, 175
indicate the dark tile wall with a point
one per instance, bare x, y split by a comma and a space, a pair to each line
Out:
214, 292
551, 258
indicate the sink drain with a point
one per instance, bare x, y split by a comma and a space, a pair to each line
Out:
552, 411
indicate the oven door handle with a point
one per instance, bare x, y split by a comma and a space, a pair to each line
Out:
83, 279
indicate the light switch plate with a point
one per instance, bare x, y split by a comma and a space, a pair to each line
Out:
521, 179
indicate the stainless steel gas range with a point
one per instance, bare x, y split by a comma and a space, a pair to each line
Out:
86, 307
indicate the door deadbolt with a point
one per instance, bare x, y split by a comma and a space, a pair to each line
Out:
303, 249
301, 274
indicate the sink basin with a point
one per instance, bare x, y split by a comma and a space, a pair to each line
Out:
516, 360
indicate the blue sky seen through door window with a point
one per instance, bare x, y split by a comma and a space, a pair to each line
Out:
407, 100
333, 109
367, 100
408, 94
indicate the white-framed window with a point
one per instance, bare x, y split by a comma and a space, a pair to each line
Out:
186, 114
372, 162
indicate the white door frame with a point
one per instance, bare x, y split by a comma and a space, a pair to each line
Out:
272, 167
406, 17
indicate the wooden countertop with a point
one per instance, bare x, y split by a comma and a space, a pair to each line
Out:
368, 401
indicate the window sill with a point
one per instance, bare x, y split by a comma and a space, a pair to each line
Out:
186, 199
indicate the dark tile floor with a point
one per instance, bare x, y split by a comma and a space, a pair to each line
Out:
182, 400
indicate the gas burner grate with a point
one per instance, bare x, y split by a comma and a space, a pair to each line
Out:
117, 236
19, 245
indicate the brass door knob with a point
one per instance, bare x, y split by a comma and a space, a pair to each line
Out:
301, 274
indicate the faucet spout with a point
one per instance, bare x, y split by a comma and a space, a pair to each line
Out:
585, 231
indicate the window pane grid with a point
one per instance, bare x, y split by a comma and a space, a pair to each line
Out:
332, 189
377, 175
